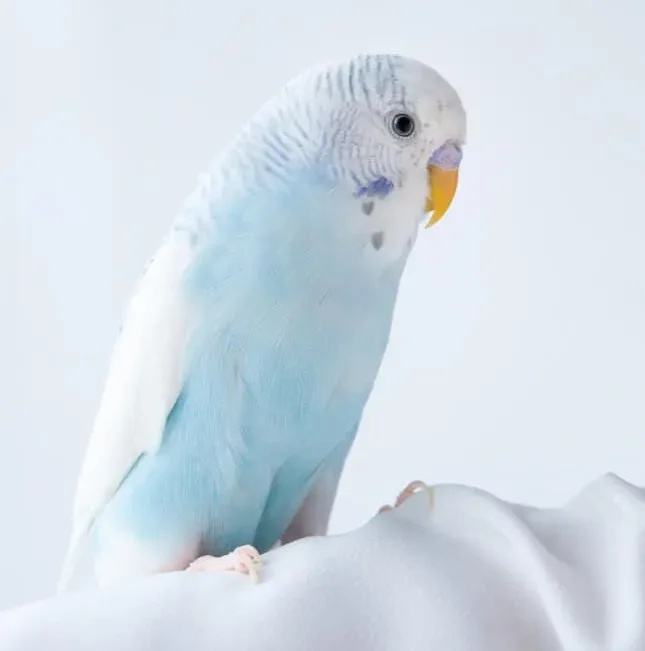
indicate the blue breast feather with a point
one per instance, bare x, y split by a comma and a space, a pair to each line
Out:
290, 334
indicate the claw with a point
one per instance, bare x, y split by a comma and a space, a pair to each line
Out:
412, 488
245, 560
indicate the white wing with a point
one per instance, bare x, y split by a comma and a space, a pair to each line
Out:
143, 383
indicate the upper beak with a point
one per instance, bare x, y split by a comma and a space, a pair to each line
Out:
442, 186
443, 174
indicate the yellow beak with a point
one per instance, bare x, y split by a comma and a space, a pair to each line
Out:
442, 185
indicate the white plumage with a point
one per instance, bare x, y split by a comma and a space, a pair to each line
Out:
143, 382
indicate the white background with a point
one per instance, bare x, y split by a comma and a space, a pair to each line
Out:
517, 357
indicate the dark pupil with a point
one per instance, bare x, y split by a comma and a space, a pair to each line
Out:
403, 125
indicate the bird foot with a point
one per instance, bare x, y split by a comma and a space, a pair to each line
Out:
406, 493
245, 559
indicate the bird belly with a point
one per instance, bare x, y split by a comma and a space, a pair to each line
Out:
241, 448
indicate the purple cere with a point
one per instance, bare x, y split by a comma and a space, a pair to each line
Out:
448, 156
379, 187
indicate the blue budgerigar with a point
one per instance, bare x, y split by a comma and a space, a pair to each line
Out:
252, 343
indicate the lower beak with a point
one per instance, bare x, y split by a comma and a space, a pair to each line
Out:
442, 185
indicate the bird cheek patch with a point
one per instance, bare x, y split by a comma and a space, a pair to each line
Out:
379, 187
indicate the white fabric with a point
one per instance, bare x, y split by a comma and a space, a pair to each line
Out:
471, 573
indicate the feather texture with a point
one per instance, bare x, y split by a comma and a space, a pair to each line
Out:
253, 342
143, 383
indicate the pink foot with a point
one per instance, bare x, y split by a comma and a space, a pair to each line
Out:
244, 559
412, 488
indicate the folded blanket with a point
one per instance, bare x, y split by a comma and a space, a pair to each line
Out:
454, 569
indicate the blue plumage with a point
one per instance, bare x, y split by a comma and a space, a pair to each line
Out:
253, 342
280, 366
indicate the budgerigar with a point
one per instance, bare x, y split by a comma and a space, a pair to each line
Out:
252, 343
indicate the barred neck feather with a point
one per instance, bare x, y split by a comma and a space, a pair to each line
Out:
327, 131
309, 124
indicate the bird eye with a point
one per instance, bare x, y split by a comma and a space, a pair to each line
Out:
403, 125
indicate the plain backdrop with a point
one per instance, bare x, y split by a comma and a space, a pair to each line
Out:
517, 357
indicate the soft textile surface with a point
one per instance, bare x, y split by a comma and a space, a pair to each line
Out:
469, 572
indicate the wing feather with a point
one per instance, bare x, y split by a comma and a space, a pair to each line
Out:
143, 382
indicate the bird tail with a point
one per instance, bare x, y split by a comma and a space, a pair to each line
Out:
70, 563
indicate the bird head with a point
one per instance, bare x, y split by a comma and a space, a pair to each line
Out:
383, 134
